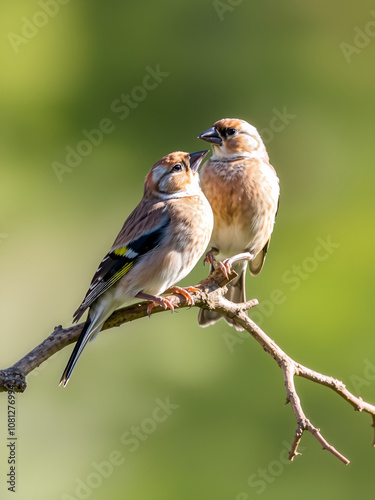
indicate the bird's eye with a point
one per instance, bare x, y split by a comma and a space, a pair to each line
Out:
177, 167
231, 131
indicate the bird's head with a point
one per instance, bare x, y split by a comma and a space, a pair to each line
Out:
232, 138
175, 175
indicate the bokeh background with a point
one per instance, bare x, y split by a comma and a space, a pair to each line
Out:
226, 431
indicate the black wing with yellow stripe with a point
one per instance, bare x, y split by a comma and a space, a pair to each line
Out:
118, 262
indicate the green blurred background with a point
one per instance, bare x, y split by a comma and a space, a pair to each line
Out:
228, 436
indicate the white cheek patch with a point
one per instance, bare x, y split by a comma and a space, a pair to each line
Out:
254, 144
158, 173
192, 189
163, 184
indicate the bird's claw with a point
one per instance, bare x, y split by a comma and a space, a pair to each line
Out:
209, 258
185, 292
160, 301
225, 267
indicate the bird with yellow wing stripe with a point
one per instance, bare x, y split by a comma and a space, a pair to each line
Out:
158, 245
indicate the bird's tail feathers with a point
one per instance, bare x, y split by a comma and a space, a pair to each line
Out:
91, 328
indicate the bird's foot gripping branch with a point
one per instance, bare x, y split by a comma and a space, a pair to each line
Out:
210, 295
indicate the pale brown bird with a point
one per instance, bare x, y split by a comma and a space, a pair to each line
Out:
243, 190
158, 245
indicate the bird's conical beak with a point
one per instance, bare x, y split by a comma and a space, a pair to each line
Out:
196, 159
211, 135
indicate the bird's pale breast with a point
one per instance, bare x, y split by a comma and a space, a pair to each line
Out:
243, 196
185, 241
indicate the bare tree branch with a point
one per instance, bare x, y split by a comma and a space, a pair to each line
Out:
210, 296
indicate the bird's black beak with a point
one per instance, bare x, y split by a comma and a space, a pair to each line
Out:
196, 159
211, 135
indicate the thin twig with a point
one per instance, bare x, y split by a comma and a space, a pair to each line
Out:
210, 296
